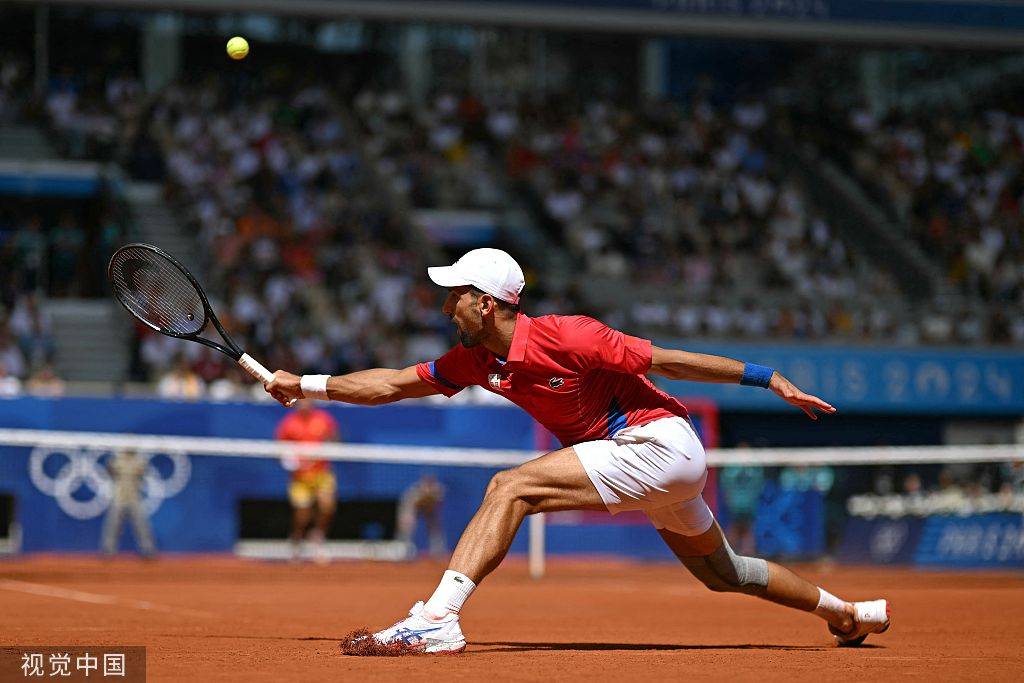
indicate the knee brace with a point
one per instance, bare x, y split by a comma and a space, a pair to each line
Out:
723, 570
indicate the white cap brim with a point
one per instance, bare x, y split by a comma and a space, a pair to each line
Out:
490, 270
447, 276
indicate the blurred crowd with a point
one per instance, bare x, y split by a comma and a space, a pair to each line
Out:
686, 199
442, 155
56, 251
302, 208
45, 253
27, 348
92, 112
15, 84
689, 209
300, 195
313, 267
644, 198
49, 248
959, 489
955, 179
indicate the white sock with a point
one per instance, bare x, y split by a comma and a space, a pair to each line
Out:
829, 606
451, 593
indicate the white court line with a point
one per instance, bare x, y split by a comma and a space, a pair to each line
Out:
94, 598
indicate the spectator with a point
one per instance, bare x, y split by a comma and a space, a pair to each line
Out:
181, 382
10, 385
33, 328
45, 382
225, 389
30, 248
11, 356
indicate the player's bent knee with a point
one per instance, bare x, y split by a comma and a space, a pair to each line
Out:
498, 481
514, 486
725, 571
722, 570
506, 484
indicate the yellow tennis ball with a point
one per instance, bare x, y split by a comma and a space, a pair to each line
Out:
238, 47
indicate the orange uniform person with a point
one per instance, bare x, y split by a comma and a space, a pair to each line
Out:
312, 481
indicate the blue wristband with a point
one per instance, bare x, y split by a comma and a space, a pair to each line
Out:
756, 375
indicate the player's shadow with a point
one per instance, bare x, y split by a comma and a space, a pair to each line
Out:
240, 636
518, 646
514, 646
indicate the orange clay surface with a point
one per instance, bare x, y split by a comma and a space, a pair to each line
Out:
220, 618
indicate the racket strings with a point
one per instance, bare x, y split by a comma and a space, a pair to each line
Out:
157, 292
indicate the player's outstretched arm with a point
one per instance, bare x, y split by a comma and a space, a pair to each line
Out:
701, 367
366, 387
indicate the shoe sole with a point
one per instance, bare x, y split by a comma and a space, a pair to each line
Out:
457, 651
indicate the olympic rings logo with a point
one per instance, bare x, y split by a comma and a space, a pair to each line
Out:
78, 480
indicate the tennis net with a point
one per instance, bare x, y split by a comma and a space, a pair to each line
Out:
939, 506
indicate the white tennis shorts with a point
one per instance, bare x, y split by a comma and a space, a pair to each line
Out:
657, 467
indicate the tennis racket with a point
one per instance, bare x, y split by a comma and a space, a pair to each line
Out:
155, 288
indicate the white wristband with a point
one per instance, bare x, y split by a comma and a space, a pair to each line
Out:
314, 386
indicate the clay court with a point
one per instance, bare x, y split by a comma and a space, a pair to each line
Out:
214, 618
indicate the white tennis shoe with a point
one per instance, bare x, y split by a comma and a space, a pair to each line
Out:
869, 617
419, 633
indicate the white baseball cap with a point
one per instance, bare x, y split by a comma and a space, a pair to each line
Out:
491, 271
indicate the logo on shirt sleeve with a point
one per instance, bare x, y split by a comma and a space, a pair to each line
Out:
556, 382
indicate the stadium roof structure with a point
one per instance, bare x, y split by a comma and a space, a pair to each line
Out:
992, 24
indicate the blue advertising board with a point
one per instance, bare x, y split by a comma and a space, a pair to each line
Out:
880, 541
194, 500
59, 501
465, 427
866, 380
994, 540
790, 523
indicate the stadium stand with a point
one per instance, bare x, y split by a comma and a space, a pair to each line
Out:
943, 164
687, 199
955, 181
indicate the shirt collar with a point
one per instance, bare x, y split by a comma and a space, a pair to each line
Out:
520, 338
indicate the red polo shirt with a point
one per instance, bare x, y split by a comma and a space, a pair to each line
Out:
579, 378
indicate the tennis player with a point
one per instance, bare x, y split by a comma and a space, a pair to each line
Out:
627, 445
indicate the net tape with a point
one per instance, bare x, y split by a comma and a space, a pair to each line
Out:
478, 457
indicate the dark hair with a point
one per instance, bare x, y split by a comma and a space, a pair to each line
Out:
503, 306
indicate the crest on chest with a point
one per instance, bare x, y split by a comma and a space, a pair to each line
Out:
500, 382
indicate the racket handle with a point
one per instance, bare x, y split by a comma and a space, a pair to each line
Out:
256, 369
